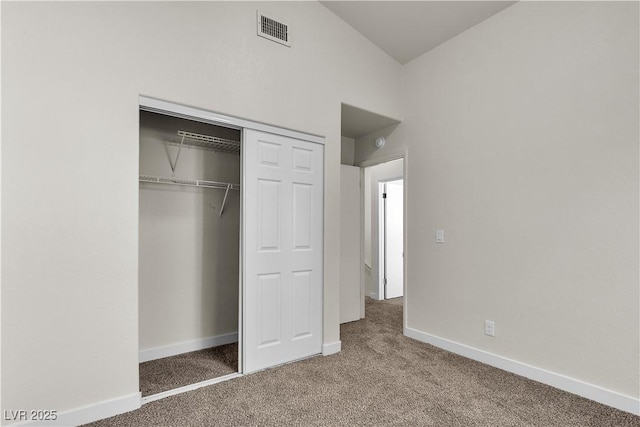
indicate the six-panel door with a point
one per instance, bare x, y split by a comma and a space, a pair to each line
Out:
283, 196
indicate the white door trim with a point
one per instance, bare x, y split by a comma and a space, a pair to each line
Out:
404, 155
156, 105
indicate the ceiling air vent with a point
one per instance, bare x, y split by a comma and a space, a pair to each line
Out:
273, 30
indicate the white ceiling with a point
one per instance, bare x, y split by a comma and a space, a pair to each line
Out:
407, 29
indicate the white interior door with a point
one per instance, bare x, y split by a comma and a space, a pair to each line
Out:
394, 247
283, 249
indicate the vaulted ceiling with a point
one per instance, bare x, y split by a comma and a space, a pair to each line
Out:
408, 29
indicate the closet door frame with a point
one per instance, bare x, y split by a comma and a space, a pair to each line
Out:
173, 109
183, 111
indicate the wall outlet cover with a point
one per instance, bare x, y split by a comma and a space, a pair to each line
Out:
490, 328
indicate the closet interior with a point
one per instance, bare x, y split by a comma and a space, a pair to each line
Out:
189, 225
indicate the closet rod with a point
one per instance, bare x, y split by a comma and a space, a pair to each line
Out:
175, 163
189, 182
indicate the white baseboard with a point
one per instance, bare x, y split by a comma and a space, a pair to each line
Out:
563, 382
331, 348
373, 295
90, 413
185, 347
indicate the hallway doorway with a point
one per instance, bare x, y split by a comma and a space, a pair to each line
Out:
377, 180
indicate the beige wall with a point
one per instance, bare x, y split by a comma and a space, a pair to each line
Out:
348, 150
1, 222
522, 136
367, 154
350, 244
71, 77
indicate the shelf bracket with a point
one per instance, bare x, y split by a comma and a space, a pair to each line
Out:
175, 163
226, 193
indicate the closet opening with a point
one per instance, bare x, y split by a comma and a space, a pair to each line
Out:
189, 252
230, 247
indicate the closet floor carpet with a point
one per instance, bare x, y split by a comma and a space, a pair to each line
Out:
176, 371
379, 378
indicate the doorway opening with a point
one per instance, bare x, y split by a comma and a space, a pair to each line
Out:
383, 224
189, 252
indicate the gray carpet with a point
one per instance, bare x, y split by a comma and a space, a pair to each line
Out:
188, 368
379, 378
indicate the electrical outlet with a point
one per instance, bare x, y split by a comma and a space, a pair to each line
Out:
490, 328
439, 236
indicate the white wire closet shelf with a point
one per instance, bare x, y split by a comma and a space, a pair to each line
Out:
219, 145
190, 139
193, 183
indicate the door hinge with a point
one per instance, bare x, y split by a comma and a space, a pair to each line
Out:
384, 195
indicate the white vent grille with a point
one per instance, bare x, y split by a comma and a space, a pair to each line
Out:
273, 30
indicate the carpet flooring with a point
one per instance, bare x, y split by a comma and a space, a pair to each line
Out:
188, 368
379, 378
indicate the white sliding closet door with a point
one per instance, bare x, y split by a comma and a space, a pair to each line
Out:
283, 220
